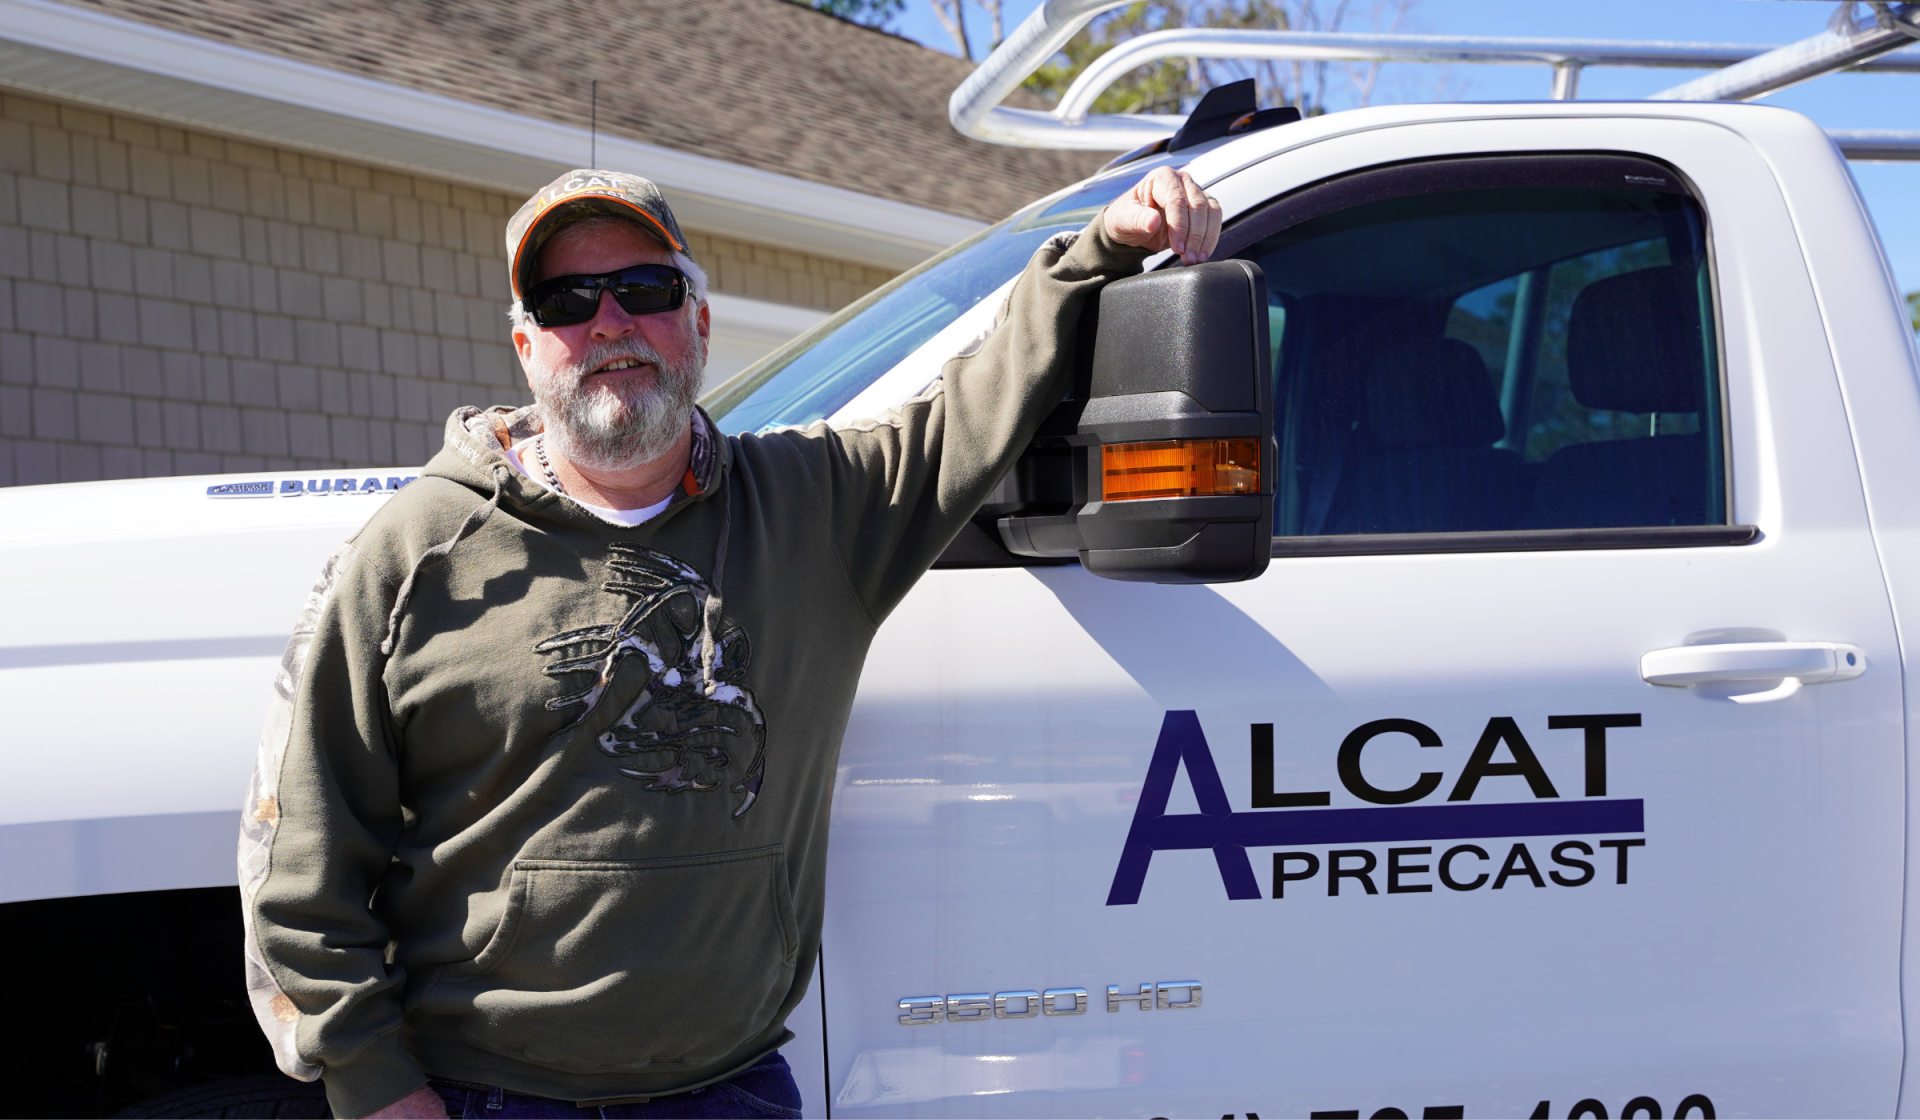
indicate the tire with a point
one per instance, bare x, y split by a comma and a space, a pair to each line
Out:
260, 1096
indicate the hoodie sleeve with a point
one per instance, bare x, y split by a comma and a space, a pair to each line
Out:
317, 833
900, 487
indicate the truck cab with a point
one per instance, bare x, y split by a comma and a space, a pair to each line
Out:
1554, 765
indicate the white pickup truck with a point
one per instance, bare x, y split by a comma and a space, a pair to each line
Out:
1555, 765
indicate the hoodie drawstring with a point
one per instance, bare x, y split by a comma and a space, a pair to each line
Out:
439, 551
710, 618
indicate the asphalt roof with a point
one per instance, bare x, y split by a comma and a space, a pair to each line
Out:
764, 83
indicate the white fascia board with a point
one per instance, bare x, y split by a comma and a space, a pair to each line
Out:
759, 320
116, 64
747, 330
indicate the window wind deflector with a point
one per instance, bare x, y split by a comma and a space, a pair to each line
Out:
1450, 173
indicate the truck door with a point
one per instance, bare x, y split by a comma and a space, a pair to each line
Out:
1403, 827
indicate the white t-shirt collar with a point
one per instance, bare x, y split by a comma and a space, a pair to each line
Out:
625, 518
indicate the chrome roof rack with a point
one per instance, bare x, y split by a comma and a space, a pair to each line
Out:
1740, 72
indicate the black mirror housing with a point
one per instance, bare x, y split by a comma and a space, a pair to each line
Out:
1170, 437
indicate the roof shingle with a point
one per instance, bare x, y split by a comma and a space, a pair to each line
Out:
763, 83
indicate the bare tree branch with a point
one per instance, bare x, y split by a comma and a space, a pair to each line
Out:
1388, 15
993, 13
952, 15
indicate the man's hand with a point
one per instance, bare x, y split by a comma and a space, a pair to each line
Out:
421, 1104
1167, 210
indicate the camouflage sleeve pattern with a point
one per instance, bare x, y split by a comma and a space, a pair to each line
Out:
260, 817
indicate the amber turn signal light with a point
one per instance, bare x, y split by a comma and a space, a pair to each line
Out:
1179, 468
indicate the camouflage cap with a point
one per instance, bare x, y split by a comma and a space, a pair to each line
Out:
581, 194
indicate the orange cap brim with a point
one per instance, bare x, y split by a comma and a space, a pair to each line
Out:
533, 227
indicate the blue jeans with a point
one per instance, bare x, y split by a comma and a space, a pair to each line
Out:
765, 1090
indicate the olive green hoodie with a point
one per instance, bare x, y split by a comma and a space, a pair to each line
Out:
542, 802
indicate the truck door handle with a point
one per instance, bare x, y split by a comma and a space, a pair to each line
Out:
1806, 662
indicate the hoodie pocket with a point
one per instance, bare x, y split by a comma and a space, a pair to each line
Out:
663, 964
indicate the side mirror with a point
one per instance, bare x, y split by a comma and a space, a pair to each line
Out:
1170, 456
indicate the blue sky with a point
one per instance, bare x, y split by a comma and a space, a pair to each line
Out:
1838, 101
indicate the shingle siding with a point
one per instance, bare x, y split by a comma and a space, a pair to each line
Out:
177, 303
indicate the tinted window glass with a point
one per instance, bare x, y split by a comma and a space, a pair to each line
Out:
813, 376
807, 382
1464, 356
1102, 189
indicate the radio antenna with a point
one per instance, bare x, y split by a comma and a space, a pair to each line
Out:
593, 123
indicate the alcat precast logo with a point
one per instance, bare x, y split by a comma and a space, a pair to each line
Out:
1300, 823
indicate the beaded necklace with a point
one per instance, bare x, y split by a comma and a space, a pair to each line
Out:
540, 450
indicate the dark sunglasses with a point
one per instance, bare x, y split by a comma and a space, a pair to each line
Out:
640, 290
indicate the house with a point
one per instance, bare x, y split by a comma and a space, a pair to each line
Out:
240, 235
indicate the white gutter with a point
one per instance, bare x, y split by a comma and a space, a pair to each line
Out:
124, 66
746, 330
777, 322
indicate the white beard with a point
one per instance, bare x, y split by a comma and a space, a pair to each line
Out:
618, 426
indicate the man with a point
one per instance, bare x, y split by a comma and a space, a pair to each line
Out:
538, 825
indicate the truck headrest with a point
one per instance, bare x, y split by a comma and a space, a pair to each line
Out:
1631, 345
1432, 393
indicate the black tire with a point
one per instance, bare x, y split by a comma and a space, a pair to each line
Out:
260, 1096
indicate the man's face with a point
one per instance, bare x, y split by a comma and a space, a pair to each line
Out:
617, 389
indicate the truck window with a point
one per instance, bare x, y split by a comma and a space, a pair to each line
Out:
811, 377
1489, 345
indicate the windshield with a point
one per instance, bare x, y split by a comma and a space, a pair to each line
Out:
818, 373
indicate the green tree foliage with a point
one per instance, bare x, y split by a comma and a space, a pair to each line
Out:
1913, 309
869, 13
1173, 85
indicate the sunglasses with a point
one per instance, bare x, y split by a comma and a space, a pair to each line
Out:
640, 290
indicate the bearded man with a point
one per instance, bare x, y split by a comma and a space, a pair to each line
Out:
538, 825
